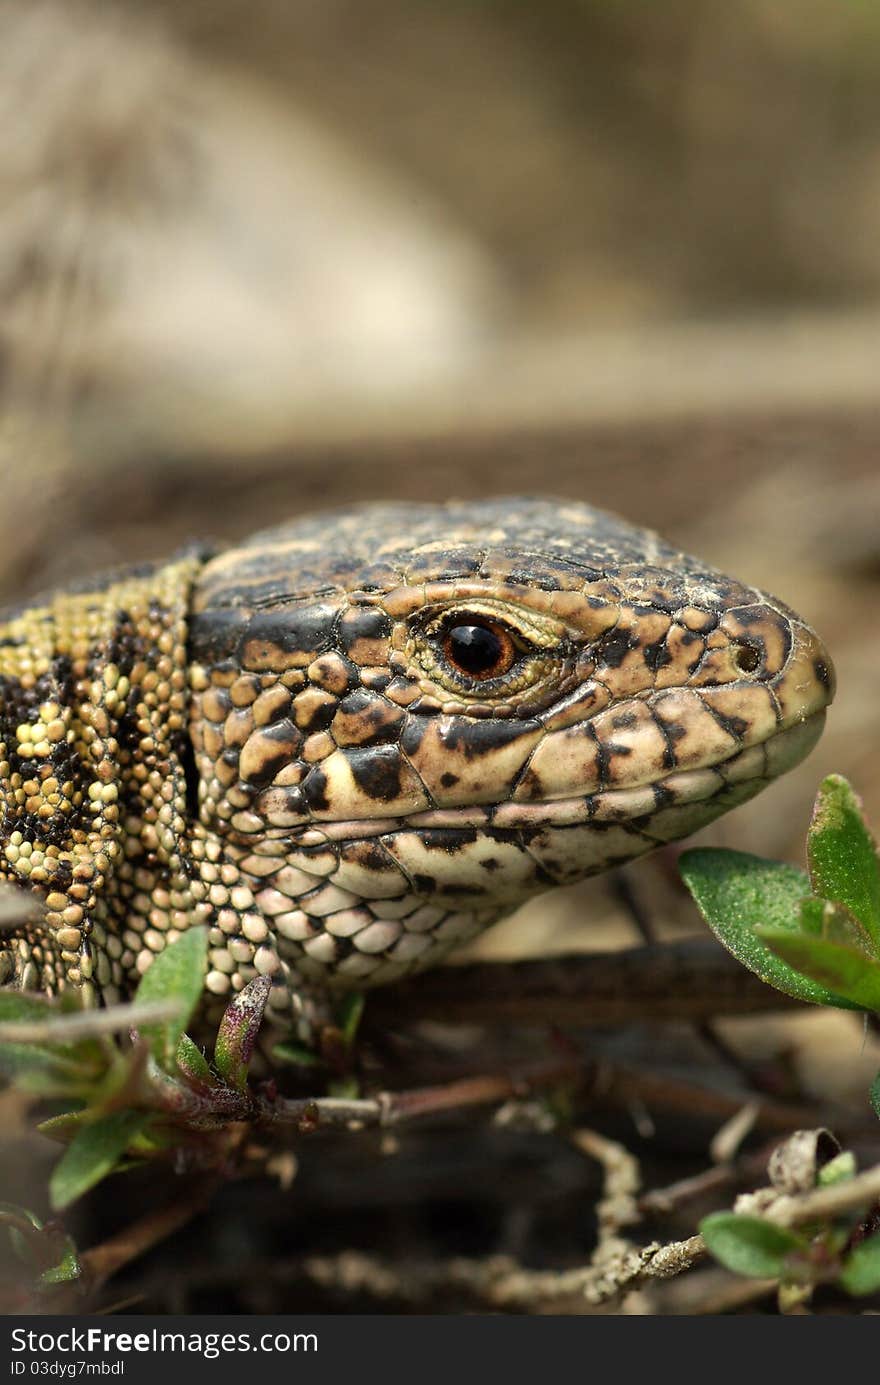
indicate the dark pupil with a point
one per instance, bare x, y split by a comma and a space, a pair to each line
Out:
474, 648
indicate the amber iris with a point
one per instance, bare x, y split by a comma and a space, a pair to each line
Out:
479, 650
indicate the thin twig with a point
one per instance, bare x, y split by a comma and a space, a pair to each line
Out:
500, 1283
103, 1261
393, 1108
625, 891
706, 1028
88, 1024
821, 1204
618, 1206
662, 1201
727, 1140
618, 1084
691, 980
708, 1293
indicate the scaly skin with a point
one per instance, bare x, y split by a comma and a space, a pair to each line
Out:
281, 741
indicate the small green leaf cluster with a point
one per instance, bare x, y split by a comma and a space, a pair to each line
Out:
834, 1250
47, 1255
137, 1094
815, 935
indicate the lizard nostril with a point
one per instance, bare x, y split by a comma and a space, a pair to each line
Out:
747, 658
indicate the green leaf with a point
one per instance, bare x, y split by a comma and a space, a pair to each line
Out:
15, 1007
296, 1054
238, 1031
827, 919
64, 1126
735, 892
840, 1169
749, 1245
852, 975
42, 1070
812, 915
11, 1213
177, 974
344, 1088
861, 1269
192, 1061
66, 1270
874, 1095
842, 856
350, 1012
25, 1232
94, 1153
28, 1024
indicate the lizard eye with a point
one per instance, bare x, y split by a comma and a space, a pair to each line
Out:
479, 648
471, 649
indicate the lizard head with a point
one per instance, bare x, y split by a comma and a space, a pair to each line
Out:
407, 719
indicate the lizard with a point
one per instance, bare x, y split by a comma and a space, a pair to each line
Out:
349, 744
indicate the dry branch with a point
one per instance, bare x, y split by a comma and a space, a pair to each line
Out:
692, 980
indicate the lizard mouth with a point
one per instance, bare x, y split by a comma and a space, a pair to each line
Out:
666, 808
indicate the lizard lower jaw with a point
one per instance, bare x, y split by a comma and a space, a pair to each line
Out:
706, 792
620, 825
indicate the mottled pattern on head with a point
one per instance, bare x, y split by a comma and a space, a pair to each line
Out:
404, 720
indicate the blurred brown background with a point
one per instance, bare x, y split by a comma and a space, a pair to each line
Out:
257, 259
